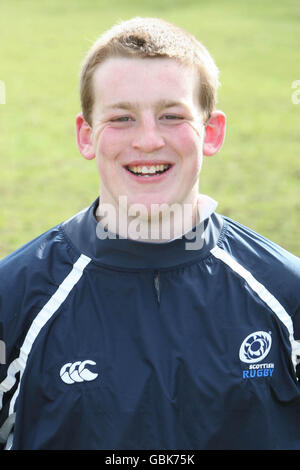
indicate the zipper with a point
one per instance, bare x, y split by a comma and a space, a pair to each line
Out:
157, 285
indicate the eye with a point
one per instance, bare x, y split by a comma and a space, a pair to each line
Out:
171, 117
121, 119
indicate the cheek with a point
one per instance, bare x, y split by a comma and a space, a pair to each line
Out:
110, 143
187, 141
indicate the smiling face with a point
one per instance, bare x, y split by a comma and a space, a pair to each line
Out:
147, 131
146, 114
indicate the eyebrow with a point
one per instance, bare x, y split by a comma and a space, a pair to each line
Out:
130, 106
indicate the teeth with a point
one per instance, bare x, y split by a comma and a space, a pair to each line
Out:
147, 169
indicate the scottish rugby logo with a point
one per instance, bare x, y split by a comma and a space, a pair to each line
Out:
255, 347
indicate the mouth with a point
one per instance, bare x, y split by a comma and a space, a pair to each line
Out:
148, 171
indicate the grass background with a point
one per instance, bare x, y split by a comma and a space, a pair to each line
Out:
255, 43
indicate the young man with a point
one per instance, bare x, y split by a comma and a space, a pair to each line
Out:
149, 321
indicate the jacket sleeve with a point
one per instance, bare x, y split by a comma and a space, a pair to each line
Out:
10, 302
28, 279
26, 283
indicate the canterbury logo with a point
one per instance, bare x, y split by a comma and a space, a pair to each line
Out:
77, 372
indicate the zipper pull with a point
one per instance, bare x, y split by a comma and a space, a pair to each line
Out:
157, 285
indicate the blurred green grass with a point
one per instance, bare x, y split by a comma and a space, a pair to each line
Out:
255, 177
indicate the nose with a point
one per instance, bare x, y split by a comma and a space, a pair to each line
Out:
148, 138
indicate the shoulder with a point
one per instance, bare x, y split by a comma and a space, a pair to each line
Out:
33, 255
32, 273
270, 264
44, 262
34, 281
247, 241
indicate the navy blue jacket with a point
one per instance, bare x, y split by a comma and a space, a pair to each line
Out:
120, 344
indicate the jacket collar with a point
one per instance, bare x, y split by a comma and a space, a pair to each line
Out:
82, 230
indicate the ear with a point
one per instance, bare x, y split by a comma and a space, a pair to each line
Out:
214, 133
83, 136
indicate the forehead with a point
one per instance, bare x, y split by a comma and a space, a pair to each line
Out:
144, 80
